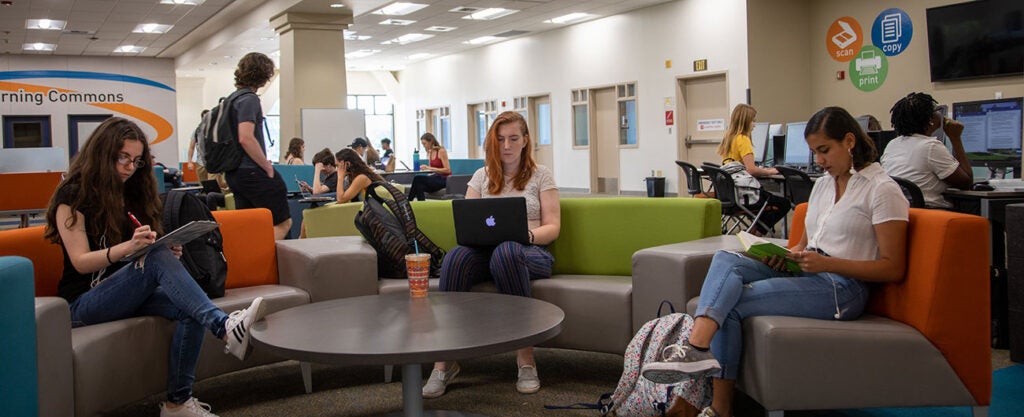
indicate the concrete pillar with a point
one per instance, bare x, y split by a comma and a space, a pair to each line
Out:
312, 65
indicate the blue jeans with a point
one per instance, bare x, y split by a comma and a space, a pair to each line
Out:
510, 265
157, 286
738, 287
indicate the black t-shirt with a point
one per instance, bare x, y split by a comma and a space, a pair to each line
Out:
72, 283
247, 108
331, 181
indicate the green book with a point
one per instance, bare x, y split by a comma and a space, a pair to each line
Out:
759, 248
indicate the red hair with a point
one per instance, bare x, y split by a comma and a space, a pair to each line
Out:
492, 162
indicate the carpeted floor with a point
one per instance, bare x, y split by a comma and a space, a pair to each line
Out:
486, 386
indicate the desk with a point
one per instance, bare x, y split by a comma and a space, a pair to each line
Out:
992, 206
397, 329
403, 177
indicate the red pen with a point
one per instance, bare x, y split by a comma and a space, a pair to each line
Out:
134, 220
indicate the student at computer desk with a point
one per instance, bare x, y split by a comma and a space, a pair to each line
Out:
105, 209
738, 150
509, 171
916, 154
855, 233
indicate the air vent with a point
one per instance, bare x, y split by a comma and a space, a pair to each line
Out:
79, 32
511, 33
466, 9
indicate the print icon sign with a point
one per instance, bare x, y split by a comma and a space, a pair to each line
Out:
490, 221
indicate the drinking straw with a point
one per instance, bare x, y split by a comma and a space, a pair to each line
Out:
416, 245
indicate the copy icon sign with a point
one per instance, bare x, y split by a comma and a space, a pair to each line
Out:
892, 31
844, 39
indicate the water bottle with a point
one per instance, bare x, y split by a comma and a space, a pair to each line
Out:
416, 159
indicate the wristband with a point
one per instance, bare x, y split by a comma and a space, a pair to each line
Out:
108, 256
531, 236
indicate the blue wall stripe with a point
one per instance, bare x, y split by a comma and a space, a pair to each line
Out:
14, 75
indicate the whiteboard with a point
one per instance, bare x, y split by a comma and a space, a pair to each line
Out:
330, 128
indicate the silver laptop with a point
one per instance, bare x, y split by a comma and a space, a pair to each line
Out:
490, 221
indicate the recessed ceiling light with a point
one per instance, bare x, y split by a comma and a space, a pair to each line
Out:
399, 9
185, 2
227, 57
129, 49
38, 46
266, 38
397, 22
350, 35
420, 55
490, 14
152, 28
361, 53
482, 40
440, 28
407, 39
570, 18
45, 24
337, 5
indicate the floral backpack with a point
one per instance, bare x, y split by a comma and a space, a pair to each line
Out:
636, 396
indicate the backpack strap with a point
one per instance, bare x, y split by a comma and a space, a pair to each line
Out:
399, 205
671, 308
603, 403
172, 210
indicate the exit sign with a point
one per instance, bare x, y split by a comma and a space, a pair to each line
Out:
700, 65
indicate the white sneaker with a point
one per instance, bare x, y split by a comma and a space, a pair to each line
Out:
439, 380
237, 328
528, 382
190, 408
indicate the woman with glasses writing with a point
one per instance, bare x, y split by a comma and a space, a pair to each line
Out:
107, 208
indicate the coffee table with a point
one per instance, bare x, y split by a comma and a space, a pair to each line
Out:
398, 329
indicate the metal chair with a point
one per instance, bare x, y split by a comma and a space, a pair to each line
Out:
735, 214
911, 191
798, 184
694, 183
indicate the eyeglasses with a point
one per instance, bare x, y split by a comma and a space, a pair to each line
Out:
125, 159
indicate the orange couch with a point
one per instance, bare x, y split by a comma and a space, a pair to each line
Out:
924, 341
87, 370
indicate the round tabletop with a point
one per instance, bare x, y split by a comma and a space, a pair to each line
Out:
398, 329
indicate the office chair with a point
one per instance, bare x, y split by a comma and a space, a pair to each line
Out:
710, 164
694, 183
735, 214
798, 184
911, 191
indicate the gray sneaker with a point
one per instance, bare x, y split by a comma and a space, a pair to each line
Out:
678, 361
439, 381
528, 382
708, 412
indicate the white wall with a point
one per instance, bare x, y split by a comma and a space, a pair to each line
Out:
153, 108
631, 47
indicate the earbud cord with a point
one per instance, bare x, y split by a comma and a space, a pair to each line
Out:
835, 294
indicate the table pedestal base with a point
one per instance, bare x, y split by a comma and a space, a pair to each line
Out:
437, 413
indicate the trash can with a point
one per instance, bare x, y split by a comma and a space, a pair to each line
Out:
655, 186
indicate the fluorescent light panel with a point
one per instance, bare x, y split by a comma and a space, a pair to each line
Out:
184, 2
570, 18
399, 9
482, 40
490, 14
440, 29
152, 28
397, 22
38, 46
129, 49
337, 5
407, 39
350, 35
45, 24
361, 53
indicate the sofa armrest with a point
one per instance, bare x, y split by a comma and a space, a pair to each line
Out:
672, 272
328, 267
53, 355
332, 220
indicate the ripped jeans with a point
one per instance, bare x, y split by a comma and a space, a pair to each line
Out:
738, 287
159, 286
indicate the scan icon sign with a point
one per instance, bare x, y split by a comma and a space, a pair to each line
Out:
869, 68
844, 39
892, 31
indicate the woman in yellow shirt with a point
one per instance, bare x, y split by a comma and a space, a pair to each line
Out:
737, 147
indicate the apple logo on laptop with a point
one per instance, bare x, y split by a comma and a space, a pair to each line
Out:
490, 221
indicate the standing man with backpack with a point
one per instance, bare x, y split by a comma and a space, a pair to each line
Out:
255, 182
197, 136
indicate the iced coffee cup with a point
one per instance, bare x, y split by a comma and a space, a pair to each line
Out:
417, 266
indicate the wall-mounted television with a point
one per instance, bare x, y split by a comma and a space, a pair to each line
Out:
977, 39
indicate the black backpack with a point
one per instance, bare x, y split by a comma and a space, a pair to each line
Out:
202, 257
219, 142
392, 232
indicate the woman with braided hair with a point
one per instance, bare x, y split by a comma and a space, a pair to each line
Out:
916, 155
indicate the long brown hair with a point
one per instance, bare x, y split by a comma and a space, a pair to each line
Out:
495, 173
94, 172
356, 165
739, 124
835, 123
295, 148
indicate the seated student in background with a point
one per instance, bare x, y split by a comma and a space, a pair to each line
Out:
736, 147
325, 174
94, 215
352, 169
438, 165
509, 171
855, 233
918, 156
296, 148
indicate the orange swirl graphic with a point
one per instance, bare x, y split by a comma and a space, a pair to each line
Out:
162, 126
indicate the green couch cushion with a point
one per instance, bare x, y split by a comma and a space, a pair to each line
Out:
599, 235
434, 219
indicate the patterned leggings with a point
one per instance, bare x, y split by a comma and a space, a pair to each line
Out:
511, 265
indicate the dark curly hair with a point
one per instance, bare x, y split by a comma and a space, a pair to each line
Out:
254, 70
325, 157
912, 114
835, 123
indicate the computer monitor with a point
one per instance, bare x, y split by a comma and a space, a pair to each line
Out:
797, 154
881, 139
992, 128
863, 122
759, 136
